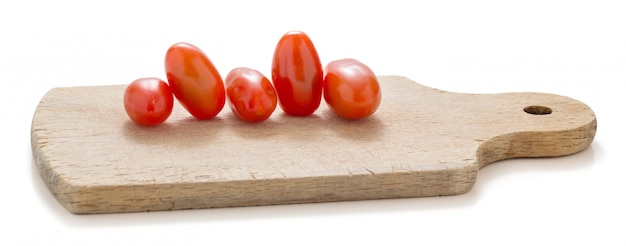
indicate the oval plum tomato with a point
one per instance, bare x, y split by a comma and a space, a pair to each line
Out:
297, 74
194, 80
351, 89
251, 95
148, 101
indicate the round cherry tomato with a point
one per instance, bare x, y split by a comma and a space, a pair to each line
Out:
148, 101
351, 89
194, 80
297, 74
251, 96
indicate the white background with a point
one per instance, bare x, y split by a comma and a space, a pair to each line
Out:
572, 48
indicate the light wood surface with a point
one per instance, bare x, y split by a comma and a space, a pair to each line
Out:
421, 142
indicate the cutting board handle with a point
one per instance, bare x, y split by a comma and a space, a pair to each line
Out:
536, 125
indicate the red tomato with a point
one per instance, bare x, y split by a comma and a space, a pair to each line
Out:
251, 96
351, 89
297, 74
148, 101
194, 80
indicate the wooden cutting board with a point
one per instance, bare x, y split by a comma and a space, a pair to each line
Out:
421, 142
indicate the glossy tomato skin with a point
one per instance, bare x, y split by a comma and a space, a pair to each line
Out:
251, 96
194, 80
148, 101
297, 74
351, 89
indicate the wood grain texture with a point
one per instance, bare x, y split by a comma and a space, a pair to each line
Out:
421, 142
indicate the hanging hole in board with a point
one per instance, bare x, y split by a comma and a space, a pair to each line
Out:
538, 110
